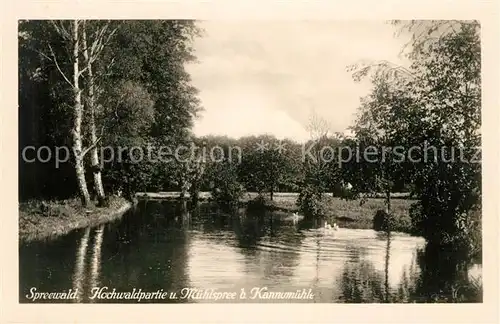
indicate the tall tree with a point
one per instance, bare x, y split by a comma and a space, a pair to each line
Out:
45, 116
379, 167
268, 164
150, 69
91, 51
316, 168
439, 120
144, 99
70, 34
77, 110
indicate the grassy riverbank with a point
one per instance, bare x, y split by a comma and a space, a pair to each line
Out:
352, 214
44, 219
347, 214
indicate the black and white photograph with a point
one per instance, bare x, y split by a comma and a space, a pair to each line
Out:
247, 161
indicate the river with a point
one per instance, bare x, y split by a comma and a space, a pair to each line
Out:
196, 256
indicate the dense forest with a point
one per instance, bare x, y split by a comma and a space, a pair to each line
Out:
94, 85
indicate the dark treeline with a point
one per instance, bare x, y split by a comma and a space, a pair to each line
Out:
88, 85
138, 95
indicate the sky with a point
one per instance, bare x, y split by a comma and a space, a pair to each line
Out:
270, 77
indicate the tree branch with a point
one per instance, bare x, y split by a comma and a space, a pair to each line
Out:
58, 67
82, 70
60, 29
90, 147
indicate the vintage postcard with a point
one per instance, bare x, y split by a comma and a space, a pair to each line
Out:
220, 162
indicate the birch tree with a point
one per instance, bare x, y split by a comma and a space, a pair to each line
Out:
91, 49
75, 39
72, 38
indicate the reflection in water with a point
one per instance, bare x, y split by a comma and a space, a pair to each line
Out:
79, 275
445, 277
170, 246
362, 282
386, 269
96, 258
432, 275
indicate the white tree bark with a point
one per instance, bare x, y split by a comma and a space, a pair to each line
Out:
91, 104
77, 121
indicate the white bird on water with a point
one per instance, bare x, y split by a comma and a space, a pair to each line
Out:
334, 227
294, 218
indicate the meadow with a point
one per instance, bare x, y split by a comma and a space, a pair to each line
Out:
356, 214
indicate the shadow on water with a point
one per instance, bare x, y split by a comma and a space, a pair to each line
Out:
268, 246
361, 282
144, 250
433, 275
446, 277
169, 246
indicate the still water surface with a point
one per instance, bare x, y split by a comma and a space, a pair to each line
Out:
162, 246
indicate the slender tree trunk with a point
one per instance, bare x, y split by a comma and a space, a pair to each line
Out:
94, 157
389, 221
388, 200
77, 122
184, 188
96, 166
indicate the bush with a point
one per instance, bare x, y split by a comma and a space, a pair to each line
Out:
226, 189
259, 203
457, 231
403, 224
311, 202
381, 221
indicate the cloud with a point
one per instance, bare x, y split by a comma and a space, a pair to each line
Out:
256, 114
274, 73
